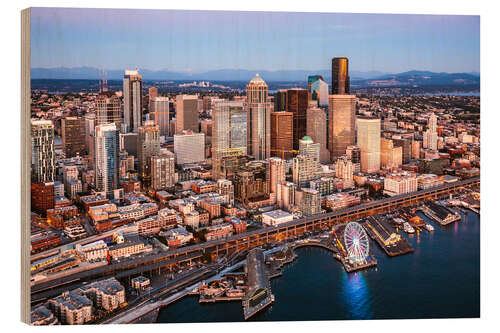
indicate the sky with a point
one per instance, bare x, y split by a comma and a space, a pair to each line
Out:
197, 41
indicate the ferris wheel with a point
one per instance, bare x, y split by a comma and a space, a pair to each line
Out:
356, 242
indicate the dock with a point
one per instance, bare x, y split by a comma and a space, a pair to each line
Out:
382, 233
439, 213
258, 295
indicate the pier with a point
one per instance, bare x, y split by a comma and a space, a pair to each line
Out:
382, 233
259, 294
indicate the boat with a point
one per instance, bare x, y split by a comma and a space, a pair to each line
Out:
408, 228
429, 227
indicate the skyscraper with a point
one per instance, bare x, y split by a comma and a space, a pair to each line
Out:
344, 170
341, 124
354, 154
90, 123
73, 136
132, 100
152, 94
297, 103
161, 108
310, 80
277, 173
319, 92
229, 132
189, 147
369, 143
316, 130
148, 145
106, 158
281, 134
340, 76
162, 171
390, 155
430, 136
186, 113
108, 109
309, 148
280, 100
259, 119
42, 151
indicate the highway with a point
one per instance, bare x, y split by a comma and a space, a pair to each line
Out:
139, 265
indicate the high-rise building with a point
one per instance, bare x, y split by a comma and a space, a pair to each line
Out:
106, 158
286, 195
341, 124
277, 173
161, 108
415, 149
108, 106
310, 80
316, 130
319, 92
344, 170
369, 143
148, 145
391, 157
280, 100
309, 148
259, 119
251, 182
430, 136
310, 204
73, 136
354, 154
304, 169
257, 91
340, 76
186, 113
281, 134
405, 143
90, 123
42, 197
229, 132
132, 100
152, 94
297, 103
162, 171
189, 147
42, 151
225, 188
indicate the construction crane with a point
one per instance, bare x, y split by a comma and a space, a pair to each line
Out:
285, 151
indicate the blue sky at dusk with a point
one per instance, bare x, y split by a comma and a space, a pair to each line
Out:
208, 40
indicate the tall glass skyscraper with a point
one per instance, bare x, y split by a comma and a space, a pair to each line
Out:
259, 119
340, 76
229, 132
132, 100
107, 147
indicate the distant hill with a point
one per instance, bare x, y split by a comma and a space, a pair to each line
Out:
358, 78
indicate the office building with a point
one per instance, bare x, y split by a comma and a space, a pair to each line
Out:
309, 148
251, 183
400, 183
281, 134
229, 132
391, 157
186, 113
297, 103
369, 143
341, 124
106, 158
189, 147
42, 151
280, 100
319, 92
152, 94
354, 154
310, 80
304, 169
148, 145
340, 76
73, 136
132, 100
259, 119
42, 197
431, 136
286, 195
405, 143
160, 106
90, 123
108, 106
316, 130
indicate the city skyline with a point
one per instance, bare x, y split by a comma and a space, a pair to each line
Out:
197, 41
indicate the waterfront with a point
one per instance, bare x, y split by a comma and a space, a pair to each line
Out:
440, 279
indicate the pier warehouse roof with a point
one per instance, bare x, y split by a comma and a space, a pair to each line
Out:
256, 271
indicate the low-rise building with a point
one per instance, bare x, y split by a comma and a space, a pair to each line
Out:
219, 231
276, 217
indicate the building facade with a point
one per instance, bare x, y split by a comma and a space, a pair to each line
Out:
132, 100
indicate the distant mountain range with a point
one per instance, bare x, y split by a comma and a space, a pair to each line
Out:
358, 78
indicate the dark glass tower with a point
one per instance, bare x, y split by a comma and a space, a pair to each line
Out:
340, 76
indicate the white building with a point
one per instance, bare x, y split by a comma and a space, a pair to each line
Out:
189, 147
400, 183
276, 217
